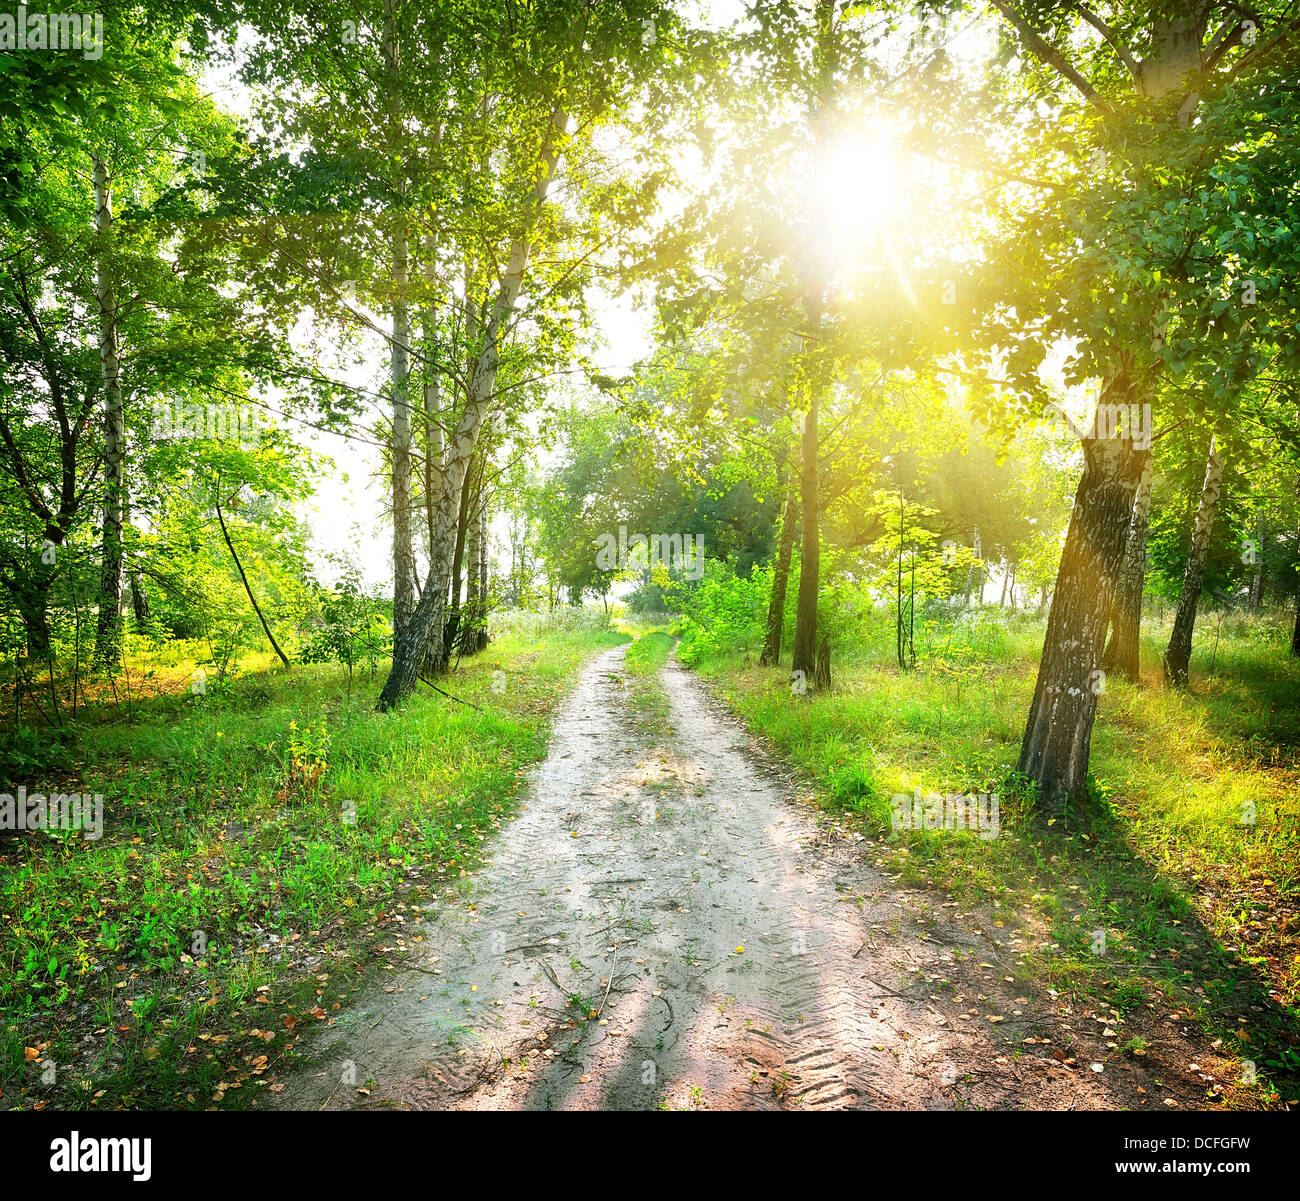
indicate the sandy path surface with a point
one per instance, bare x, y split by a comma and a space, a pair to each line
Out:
734, 955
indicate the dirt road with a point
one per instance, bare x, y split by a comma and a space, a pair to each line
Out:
734, 955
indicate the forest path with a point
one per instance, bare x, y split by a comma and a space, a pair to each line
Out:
628, 885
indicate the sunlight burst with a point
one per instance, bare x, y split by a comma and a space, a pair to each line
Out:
858, 181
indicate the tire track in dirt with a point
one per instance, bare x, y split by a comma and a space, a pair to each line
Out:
731, 956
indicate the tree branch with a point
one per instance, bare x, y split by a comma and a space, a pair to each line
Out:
1052, 57
1111, 35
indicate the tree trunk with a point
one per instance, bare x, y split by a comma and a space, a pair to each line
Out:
453, 623
1126, 613
805, 628
424, 631
1295, 634
31, 594
481, 634
822, 676
108, 634
433, 435
403, 555
1179, 652
139, 603
975, 568
400, 365
468, 638
780, 577
1058, 736
248, 588
1257, 580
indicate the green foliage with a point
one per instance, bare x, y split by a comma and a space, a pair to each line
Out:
273, 808
353, 625
724, 613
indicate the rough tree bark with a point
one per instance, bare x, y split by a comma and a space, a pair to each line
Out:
425, 626
1058, 735
780, 577
822, 676
1121, 655
400, 364
1057, 740
108, 633
1179, 652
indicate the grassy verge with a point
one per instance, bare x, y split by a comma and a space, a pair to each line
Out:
260, 842
648, 700
1181, 895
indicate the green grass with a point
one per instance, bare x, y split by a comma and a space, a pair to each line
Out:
648, 699
1201, 911
260, 840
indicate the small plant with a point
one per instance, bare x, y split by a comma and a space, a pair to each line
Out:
308, 749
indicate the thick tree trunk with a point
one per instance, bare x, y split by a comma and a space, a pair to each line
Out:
1058, 736
780, 577
1126, 613
805, 627
1179, 651
108, 634
822, 676
423, 633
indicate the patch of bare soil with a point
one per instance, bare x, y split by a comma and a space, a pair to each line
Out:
664, 927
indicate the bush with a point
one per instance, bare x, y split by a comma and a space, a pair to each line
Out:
725, 613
